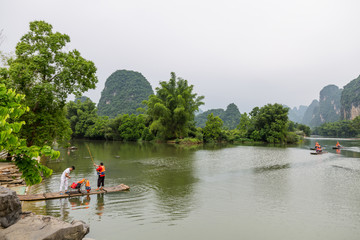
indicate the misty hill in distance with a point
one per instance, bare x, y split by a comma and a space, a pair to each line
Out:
230, 116
326, 109
297, 114
350, 100
123, 93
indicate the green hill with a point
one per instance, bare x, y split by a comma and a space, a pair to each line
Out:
350, 100
230, 116
311, 113
123, 93
327, 109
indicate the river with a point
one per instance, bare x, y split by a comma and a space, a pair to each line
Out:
212, 192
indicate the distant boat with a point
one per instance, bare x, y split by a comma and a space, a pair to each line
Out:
339, 147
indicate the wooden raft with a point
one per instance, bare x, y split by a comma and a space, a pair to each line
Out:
53, 195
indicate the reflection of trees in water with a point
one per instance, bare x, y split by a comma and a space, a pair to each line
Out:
271, 177
164, 169
175, 193
174, 183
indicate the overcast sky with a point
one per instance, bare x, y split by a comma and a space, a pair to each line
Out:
249, 52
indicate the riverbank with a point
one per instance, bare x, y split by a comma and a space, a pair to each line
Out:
18, 225
10, 177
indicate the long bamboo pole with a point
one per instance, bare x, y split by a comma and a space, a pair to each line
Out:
90, 153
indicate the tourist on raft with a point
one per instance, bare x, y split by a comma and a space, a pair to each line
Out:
100, 169
318, 149
64, 179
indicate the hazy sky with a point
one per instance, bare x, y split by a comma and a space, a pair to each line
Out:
250, 52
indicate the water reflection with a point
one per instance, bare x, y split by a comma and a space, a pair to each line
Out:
213, 191
271, 168
271, 180
100, 205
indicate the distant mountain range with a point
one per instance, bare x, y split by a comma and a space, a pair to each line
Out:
125, 90
334, 104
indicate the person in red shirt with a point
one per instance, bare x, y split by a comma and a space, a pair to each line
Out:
100, 169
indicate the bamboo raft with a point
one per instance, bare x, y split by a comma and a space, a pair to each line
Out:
317, 153
54, 195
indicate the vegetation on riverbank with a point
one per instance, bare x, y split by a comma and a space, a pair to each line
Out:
34, 87
343, 128
267, 124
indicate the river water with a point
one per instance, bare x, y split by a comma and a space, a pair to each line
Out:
213, 192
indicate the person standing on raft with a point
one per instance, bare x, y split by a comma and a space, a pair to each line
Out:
100, 169
64, 178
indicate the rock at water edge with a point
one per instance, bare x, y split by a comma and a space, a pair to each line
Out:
10, 207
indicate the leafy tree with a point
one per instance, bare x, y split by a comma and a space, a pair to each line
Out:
99, 129
113, 125
132, 127
81, 115
302, 127
171, 110
271, 123
46, 74
212, 130
11, 110
244, 125
201, 118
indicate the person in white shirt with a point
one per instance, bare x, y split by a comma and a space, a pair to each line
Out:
64, 178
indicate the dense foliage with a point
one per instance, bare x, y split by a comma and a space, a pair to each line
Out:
343, 128
213, 128
46, 73
270, 124
81, 115
350, 98
86, 123
123, 93
172, 109
11, 110
230, 116
266, 124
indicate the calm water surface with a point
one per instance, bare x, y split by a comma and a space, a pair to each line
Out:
213, 192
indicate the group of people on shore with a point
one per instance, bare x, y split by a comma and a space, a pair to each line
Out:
65, 176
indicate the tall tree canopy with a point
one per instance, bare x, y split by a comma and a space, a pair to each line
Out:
11, 109
172, 109
46, 73
270, 122
212, 130
81, 115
